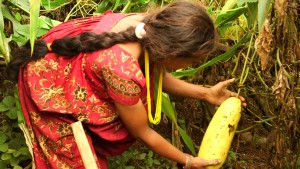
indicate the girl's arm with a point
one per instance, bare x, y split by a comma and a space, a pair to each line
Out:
214, 95
136, 121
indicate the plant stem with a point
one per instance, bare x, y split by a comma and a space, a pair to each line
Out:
243, 77
260, 78
126, 7
74, 7
258, 122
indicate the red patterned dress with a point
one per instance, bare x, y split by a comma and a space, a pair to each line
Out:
56, 92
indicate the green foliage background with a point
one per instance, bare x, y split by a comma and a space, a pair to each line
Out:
274, 89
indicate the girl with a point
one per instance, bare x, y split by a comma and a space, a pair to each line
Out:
92, 70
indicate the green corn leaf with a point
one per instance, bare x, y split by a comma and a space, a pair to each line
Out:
4, 47
242, 2
22, 4
168, 108
1, 18
225, 56
263, 8
187, 140
252, 13
229, 16
34, 15
228, 6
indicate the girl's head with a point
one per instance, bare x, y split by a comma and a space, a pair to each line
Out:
179, 34
182, 29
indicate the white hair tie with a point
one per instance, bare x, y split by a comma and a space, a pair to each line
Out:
140, 31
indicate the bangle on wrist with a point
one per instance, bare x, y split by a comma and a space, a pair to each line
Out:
188, 162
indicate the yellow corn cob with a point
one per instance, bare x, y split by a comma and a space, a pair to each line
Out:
220, 131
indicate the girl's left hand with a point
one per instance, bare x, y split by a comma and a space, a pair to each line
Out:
218, 93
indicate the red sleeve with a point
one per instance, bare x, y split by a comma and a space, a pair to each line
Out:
122, 75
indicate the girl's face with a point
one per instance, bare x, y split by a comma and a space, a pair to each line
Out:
176, 63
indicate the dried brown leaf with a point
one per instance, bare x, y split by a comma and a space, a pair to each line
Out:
281, 86
263, 43
281, 6
297, 52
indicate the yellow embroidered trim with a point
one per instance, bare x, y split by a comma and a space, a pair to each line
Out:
157, 117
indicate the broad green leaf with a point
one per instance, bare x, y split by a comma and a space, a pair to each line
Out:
18, 17
222, 57
34, 15
224, 28
150, 154
3, 164
242, 2
44, 25
187, 140
150, 161
229, 16
210, 11
21, 40
14, 161
3, 107
6, 14
6, 156
263, 9
12, 113
232, 155
141, 156
9, 101
17, 167
22, 4
3, 147
156, 162
24, 150
3, 137
52, 4
48, 22
16, 153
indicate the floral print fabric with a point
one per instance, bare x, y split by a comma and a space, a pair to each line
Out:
56, 92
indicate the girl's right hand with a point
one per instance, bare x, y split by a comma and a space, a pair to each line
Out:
199, 163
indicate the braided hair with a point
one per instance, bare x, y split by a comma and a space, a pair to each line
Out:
181, 29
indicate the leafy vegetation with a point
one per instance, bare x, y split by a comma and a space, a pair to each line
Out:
14, 152
259, 47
